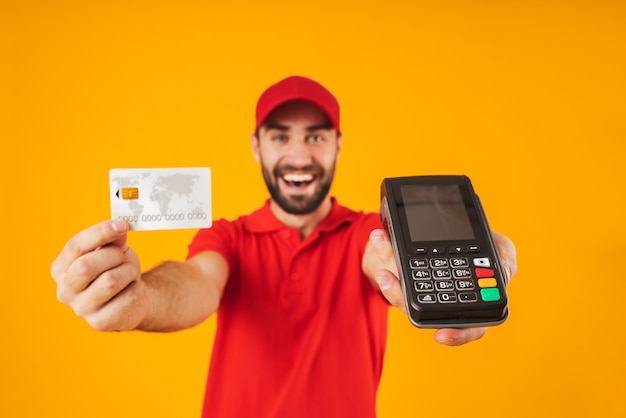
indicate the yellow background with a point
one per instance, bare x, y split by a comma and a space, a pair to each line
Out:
526, 97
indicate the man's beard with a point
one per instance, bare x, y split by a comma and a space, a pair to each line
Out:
299, 205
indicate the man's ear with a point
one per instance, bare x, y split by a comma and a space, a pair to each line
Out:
254, 143
339, 142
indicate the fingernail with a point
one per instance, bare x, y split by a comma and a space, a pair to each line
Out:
377, 239
119, 225
383, 282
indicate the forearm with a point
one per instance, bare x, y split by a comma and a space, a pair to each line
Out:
181, 295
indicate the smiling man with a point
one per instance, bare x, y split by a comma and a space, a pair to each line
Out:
301, 287
297, 149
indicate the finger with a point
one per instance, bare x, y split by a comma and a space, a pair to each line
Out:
87, 267
104, 289
88, 240
456, 337
390, 288
507, 253
123, 312
384, 250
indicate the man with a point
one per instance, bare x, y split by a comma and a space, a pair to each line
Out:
301, 286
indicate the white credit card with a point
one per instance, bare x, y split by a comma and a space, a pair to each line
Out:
161, 198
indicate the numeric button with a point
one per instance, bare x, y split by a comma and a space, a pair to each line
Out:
447, 297
418, 263
442, 274
439, 263
462, 273
443, 285
420, 274
423, 286
459, 262
464, 285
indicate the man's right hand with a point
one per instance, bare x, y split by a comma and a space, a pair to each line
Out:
99, 276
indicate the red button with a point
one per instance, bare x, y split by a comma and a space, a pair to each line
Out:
480, 273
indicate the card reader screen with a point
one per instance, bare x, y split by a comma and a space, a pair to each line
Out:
436, 212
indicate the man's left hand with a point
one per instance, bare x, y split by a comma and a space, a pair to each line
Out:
389, 283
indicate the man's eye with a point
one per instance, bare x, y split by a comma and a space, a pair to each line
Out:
279, 138
316, 138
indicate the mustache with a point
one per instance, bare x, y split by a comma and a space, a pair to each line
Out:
311, 168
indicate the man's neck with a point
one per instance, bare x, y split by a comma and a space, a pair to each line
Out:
304, 223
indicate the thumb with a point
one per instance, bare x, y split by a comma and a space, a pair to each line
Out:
121, 227
384, 250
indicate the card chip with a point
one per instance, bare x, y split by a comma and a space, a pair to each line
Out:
130, 193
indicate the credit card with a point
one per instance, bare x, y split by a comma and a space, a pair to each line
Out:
161, 198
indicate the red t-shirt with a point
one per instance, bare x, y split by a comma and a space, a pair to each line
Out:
301, 330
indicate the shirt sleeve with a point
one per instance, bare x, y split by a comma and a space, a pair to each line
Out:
220, 238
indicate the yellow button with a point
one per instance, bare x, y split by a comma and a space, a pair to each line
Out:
487, 282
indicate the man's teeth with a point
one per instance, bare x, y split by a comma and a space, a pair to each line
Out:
298, 178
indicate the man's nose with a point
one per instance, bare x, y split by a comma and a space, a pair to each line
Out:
299, 152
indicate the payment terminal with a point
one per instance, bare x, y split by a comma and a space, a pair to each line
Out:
447, 261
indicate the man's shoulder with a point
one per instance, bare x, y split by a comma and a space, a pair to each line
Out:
345, 211
343, 216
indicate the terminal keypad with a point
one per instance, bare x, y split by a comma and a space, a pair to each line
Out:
453, 275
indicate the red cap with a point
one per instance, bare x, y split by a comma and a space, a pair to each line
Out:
297, 88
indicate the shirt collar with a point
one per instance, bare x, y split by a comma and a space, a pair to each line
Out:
263, 220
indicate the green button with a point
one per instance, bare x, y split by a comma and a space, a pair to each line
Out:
491, 294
